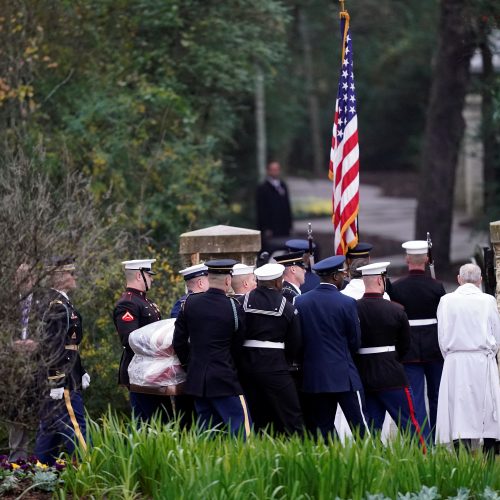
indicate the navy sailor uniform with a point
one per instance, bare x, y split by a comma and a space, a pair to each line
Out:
272, 340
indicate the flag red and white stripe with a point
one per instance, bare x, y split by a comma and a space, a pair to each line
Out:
344, 153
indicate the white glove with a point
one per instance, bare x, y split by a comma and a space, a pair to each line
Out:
85, 381
57, 393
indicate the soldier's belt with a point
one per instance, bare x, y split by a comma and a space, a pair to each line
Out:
71, 347
422, 322
376, 350
264, 343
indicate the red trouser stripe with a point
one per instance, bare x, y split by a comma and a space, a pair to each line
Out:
414, 420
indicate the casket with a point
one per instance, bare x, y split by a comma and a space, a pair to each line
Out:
155, 368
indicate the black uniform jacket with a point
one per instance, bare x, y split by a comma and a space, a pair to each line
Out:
419, 295
289, 291
383, 323
208, 335
269, 317
132, 311
60, 337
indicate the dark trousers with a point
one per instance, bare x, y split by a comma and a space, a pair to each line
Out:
229, 410
144, 406
273, 401
62, 424
185, 410
399, 404
418, 374
320, 412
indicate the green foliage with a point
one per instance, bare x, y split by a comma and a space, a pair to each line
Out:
158, 461
145, 96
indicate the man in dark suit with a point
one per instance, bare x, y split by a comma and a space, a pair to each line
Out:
208, 335
274, 215
331, 334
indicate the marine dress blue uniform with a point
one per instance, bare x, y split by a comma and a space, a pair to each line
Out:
420, 294
385, 339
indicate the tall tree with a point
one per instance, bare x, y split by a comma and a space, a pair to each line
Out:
444, 125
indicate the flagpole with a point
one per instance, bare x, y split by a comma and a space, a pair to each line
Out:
343, 14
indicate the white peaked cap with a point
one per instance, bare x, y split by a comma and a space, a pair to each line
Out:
416, 247
138, 264
194, 271
374, 269
269, 271
241, 269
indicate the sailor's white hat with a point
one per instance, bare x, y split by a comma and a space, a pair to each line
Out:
269, 271
241, 269
194, 271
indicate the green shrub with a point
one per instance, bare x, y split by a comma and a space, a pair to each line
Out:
160, 462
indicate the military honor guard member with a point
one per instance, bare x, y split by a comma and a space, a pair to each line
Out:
311, 280
134, 310
385, 338
331, 335
420, 294
356, 287
469, 337
242, 280
272, 339
294, 275
196, 280
355, 258
63, 415
209, 334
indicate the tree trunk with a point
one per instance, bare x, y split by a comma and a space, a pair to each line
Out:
260, 124
312, 99
444, 127
487, 128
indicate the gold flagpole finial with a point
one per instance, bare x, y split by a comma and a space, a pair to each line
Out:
342, 6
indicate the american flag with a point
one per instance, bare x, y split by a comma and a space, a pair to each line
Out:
344, 154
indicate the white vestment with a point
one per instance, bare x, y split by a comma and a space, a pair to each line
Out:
469, 394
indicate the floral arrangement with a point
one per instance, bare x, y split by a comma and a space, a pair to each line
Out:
22, 476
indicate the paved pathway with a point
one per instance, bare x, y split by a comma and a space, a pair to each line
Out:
383, 216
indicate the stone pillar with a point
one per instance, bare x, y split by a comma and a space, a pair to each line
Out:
220, 242
495, 244
469, 186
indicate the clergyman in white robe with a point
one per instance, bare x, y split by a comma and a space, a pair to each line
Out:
469, 338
